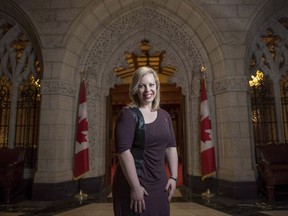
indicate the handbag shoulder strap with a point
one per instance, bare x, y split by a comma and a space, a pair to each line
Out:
139, 135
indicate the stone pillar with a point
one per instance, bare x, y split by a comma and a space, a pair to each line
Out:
235, 174
53, 178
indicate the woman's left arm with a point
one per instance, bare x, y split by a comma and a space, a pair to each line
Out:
172, 159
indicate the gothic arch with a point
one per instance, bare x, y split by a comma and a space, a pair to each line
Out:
192, 22
101, 37
171, 37
256, 47
260, 25
18, 17
20, 58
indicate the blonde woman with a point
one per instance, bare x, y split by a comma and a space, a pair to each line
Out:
144, 140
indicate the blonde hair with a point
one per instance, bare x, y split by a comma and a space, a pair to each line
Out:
133, 89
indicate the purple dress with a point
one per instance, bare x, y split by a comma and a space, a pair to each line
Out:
158, 136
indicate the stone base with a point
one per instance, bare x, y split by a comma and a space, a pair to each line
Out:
64, 190
235, 190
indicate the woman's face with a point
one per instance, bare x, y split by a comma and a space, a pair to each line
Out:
147, 89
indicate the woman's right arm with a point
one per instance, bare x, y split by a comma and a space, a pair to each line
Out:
137, 202
124, 135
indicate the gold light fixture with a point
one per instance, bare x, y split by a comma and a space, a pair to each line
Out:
257, 79
35, 82
145, 59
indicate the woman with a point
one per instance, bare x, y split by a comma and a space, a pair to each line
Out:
144, 189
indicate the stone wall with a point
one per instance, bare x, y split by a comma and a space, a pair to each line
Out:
92, 36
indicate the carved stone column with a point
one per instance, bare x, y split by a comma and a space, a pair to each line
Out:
53, 178
234, 140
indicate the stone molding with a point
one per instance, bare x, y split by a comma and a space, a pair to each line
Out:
230, 84
57, 87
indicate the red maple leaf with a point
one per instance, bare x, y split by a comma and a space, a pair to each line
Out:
82, 131
205, 128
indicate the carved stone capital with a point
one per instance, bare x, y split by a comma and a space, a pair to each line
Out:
230, 84
60, 87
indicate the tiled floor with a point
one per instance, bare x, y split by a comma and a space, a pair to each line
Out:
177, 209
184, 203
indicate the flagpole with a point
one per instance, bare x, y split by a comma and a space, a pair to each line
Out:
203, 70
83, 75
82, 112
207, 194
80, 196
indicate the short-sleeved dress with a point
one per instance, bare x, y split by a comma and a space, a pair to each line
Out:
159, 135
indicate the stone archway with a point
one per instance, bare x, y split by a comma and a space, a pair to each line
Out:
95, 42
260, 28
108, 53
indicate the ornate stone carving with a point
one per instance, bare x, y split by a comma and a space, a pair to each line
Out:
269, 52
128, 31
57, 87
17, 70
18, 62
141, 20
230, 84
93, 91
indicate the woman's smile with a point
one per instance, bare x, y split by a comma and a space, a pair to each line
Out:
147, 89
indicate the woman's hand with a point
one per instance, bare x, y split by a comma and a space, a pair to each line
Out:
170, 187
137, 202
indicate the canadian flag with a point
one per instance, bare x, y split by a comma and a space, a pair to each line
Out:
81, 159
207, 148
